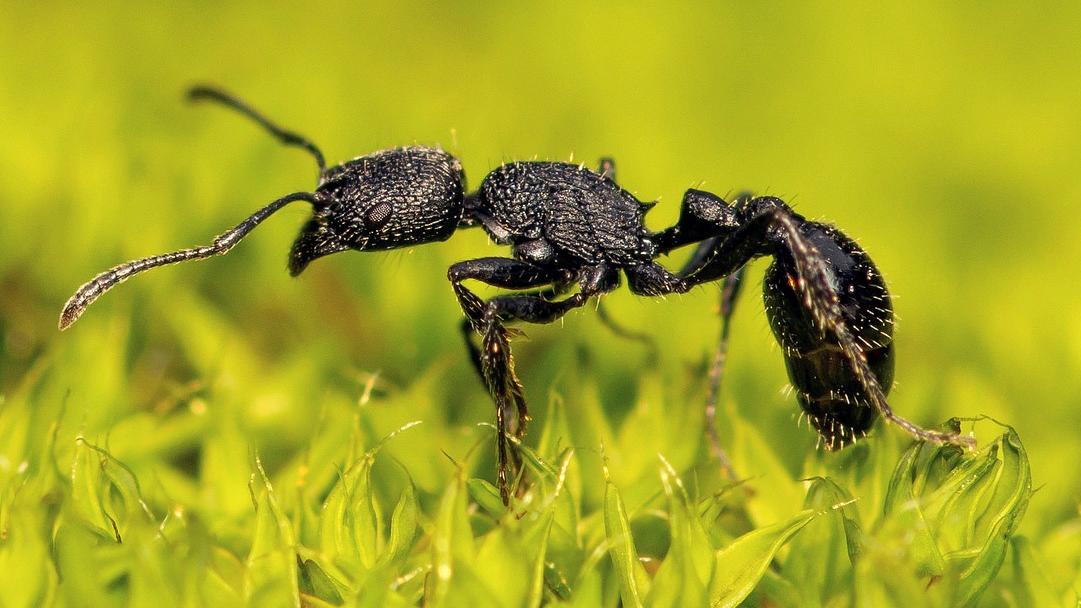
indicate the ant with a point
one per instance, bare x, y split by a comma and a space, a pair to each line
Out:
570, 227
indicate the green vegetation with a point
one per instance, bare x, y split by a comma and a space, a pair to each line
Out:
218, 434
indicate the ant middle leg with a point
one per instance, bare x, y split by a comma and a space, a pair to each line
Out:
730, 289
606, 167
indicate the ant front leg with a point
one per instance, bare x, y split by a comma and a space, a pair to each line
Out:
498, 272
494, 359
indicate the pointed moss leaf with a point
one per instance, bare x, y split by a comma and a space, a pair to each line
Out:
367, 516
902, 484
885, 577
121, 480
909, 530
538, 465
272, 563
953, 508
904, 516
470, 587
346, 528
819, 563
403, 526
451, 541
550, 489
351, 528
315, 585
864, 470
538, 543
998, 518
773, 590
633, 581
378, 588
334, 532
553, 433
509, 561
848, 510
222, 581
89, 491
682, 577
154, 578
307, 517
739, 566
953, 514
487, 496
552, 523
920, 469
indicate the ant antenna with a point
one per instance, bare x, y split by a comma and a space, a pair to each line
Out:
288, 138
105, 281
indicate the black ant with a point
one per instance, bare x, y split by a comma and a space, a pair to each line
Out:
570, 226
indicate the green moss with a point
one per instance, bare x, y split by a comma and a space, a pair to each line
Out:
222, 420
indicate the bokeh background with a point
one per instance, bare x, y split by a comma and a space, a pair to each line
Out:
945, 137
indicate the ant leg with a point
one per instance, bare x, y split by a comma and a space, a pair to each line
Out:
720, 256
627, 333
654, 280
729, 293
288, 138
701, 210
493, 361
606, 167
702, 216
658, 281
529, 308
471, 348
498, 272
467, 327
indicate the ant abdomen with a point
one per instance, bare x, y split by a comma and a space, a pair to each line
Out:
829, 392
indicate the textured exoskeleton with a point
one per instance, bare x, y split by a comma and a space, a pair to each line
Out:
572, 229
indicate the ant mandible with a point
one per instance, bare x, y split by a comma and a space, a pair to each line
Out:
570, 226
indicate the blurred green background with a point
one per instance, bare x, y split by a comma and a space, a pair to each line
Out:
945, 137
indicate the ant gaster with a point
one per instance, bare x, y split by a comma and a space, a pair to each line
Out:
569, 226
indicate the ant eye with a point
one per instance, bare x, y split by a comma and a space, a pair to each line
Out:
377, 216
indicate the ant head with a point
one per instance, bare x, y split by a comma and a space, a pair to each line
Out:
385, 200
389, 199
